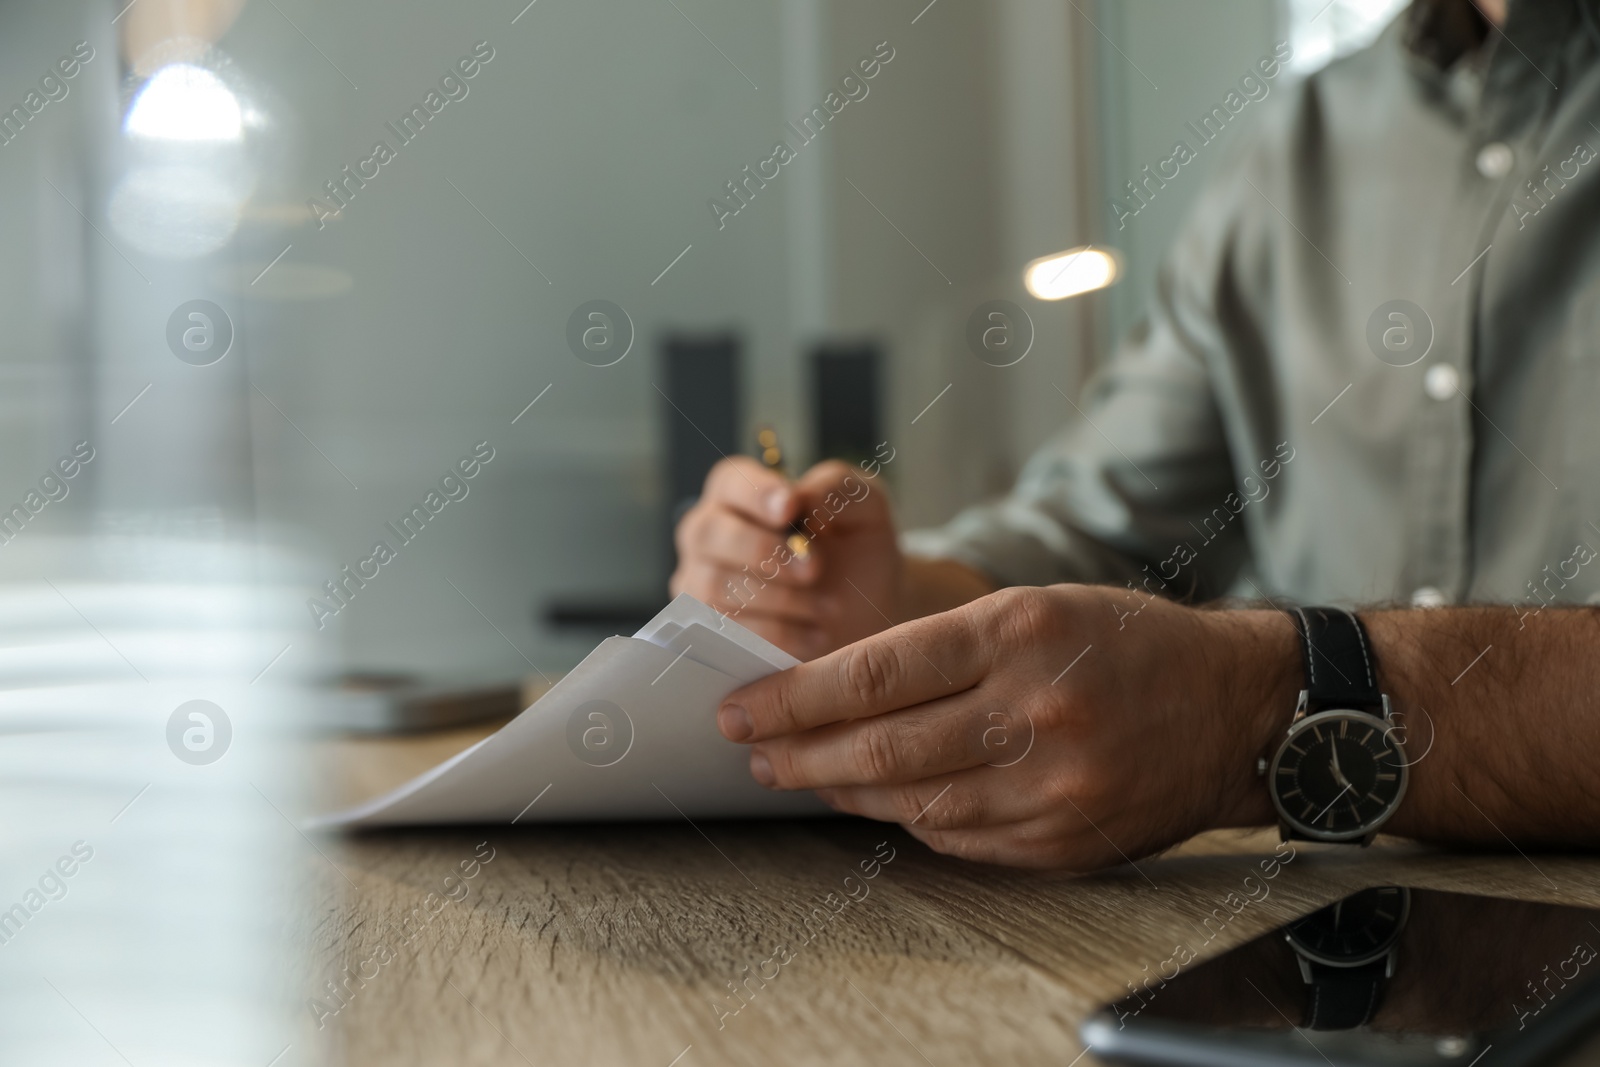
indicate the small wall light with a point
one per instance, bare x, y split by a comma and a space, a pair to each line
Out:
1072, 273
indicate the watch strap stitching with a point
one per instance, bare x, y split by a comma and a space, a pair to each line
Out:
1312, 651
1338, 637
1305, 636
1361, 638
1372, 1003
1321, 1006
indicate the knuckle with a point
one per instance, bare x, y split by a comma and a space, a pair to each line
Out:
721, 479
869, 671
930, 807
832, 472
873, 753
959, 809
910, 805
1057, 713
1090, 792
1026, 612
779, 715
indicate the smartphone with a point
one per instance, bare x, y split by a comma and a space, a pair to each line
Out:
1387, 976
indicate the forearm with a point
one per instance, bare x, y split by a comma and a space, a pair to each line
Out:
1500, 715
1515, 707
931, 586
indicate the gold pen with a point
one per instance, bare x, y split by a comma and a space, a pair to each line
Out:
772, 458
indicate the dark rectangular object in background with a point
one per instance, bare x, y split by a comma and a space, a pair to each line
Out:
700, 415
699, 424
846, 400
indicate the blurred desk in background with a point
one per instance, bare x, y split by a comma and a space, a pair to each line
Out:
616, 944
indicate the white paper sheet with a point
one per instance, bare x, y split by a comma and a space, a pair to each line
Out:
629, 733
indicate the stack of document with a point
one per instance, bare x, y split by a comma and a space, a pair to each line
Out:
629, 733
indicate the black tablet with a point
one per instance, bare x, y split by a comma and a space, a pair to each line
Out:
1385, 976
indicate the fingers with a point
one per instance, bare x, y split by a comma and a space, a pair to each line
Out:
736, 592
744, 516
910, 745
787, 617
980, 816
975, 846
718, 535
916, 662
758, 493
1026, 844
967, 799
833, 493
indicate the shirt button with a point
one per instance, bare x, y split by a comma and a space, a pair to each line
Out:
1495, 160
1441, 382
1427, 597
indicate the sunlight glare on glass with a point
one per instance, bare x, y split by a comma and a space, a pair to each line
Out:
183, 102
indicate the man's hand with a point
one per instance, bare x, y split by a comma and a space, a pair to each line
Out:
733, 554
1069, 726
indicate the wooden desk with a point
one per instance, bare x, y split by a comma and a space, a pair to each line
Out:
615, 944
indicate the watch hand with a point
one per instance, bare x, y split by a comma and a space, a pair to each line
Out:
1338, 775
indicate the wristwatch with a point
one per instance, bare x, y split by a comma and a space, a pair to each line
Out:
1346, 954
1337, 774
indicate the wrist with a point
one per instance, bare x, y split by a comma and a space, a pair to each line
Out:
1254, 680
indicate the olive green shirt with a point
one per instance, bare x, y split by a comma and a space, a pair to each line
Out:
1247, 438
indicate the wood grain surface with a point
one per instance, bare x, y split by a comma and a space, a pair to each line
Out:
622, 944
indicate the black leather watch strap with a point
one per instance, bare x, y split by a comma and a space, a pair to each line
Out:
1343, 998
1340, 669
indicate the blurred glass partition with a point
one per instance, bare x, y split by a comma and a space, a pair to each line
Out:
146, 704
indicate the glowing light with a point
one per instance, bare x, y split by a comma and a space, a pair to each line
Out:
178, 212
183, 102
1071, 273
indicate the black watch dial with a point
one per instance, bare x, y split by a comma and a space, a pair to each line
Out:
1337, 776
1355, 930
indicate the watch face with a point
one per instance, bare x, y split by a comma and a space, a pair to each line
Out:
1354, 931
1337, 775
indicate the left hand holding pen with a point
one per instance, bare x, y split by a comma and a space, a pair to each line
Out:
1036, 727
